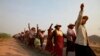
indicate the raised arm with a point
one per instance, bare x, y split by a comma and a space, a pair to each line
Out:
50, 27
78, 21
29, 26
37, 30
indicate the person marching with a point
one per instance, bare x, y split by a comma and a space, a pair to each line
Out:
42, 36
32, 36
49, 45
71, 37
81, 47
37, 39
58, 41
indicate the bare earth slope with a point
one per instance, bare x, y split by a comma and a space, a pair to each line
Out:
12, 47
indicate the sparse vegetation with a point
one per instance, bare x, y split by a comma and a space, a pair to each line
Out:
4, 35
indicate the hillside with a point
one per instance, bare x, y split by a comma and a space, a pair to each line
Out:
94, 39
4, 35
95, 44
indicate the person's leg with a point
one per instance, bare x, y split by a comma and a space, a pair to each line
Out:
66, 52
79, 50
84, 51
90, 51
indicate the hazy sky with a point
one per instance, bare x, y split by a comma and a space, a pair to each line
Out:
15, 14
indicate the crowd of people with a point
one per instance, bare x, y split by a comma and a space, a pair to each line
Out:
77, 40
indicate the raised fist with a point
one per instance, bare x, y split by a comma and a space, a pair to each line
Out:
82, 6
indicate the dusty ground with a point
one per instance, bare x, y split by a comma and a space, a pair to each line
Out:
12, 47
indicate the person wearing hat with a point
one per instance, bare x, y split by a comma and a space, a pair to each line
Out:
58, 37
81, 44
71, 37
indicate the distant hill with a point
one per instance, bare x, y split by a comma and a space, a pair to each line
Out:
95, 44
4, 35
94, 39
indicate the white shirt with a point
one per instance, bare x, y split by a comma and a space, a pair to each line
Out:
81, 35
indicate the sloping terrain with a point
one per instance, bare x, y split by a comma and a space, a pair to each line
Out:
12, 47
